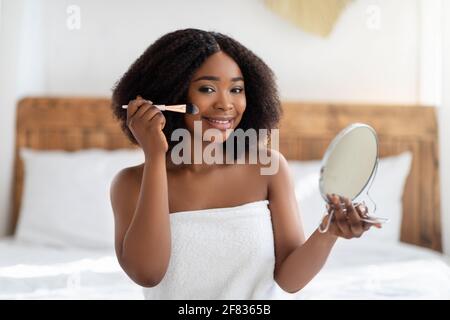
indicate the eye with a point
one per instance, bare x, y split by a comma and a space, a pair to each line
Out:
239, 90
205, 89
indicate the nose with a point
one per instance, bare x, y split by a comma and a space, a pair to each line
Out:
224, 103
224, 107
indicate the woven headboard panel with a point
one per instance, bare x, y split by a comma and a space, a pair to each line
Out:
305, 132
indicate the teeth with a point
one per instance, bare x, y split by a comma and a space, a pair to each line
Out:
219, 121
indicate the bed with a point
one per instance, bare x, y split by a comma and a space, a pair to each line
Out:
34, 271
376, 271
51, 266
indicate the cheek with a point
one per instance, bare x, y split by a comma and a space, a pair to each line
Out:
241, 109
242, 104
189, 122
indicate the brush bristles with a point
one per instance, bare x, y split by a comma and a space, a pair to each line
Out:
191, 108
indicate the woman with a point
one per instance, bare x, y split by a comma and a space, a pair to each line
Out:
197, 230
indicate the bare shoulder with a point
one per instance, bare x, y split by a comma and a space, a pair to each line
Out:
125, 186
126, 177
275, 154
279, 164
280, 179
270, 167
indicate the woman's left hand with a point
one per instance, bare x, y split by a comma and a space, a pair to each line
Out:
346, 221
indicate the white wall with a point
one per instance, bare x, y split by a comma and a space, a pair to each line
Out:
444, 127
10, 20
357, 63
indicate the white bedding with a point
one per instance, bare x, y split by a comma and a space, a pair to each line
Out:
356, 269
359, 269
30, 271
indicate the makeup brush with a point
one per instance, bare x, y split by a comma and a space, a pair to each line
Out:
189, 108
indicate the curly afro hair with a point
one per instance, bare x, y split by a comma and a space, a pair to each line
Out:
164, 71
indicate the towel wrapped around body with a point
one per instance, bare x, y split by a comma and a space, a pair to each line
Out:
221, 253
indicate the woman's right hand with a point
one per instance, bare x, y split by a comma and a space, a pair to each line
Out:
146, 122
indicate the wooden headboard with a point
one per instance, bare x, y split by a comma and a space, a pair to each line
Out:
306, 130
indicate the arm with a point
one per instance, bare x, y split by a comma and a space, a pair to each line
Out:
303, 263
142, 222
297, 261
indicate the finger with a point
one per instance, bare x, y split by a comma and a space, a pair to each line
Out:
354, 219
363, 213
149, 101
133, 107
154, 111
143, 110
366, 226
159, 118
373, 224
341, 219
362, 210
332, 228
138, 96
148, 112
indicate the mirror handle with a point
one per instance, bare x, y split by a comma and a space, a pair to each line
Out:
328, 222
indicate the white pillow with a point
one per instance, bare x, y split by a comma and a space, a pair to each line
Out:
65, 201
386, 191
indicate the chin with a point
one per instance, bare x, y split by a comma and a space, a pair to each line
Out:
222, 139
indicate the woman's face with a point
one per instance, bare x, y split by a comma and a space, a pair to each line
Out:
217, 89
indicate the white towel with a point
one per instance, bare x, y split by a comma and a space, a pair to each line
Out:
221, 253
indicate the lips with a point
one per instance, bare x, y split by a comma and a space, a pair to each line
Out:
221, 123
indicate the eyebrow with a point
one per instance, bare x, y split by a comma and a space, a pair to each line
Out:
217, 78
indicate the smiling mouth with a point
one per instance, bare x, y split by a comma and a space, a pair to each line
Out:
220, 124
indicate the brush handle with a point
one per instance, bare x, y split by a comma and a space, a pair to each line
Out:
175, 108
161, 107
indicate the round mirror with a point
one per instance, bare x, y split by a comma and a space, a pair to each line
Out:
349, 164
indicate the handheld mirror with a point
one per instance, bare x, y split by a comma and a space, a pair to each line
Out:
349, 164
